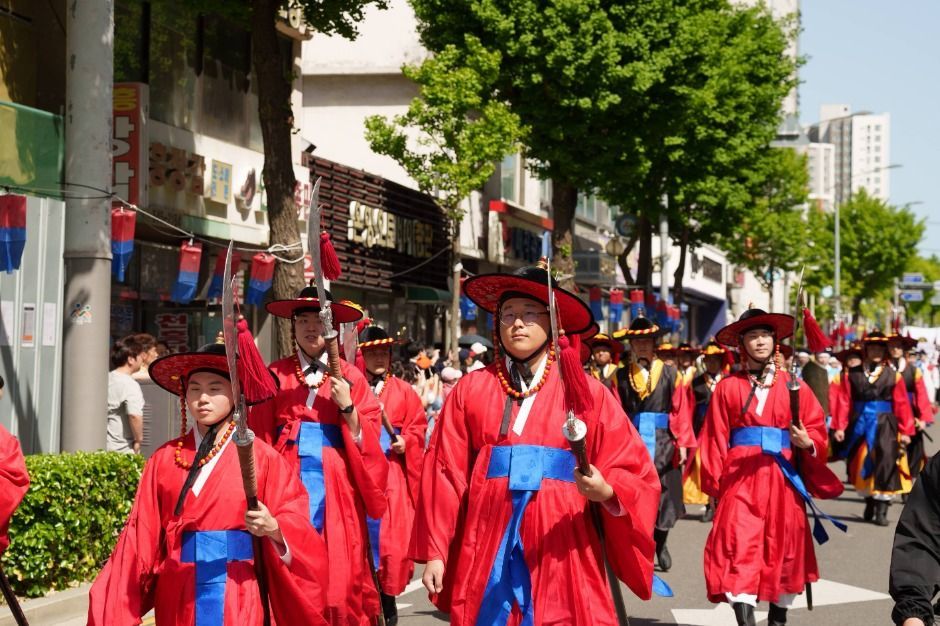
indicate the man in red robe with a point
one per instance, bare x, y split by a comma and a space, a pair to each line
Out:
656, 399
899, 348
187, 549
14, 481
503, 520
403, 412
762, 465
328, 430
873, 423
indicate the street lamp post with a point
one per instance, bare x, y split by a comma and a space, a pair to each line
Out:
837, 280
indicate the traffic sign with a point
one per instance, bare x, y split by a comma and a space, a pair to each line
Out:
912, 296
624, 225
935, 301
936, 285
912, 277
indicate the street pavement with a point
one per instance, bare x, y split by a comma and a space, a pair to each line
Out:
853, 567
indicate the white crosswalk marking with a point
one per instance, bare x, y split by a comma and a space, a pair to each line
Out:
825, 592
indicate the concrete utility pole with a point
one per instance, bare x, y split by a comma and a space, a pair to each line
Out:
85, 350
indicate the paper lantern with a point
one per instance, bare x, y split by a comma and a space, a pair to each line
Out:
123, 222
184, 290
261, 278
12, 231
215, 285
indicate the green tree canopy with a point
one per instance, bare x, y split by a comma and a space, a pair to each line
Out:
772, 236
452, 136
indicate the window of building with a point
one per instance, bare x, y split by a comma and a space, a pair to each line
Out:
545, 193
509, 178
586, 207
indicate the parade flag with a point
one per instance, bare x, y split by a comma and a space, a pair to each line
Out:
262, 275
215, 285
12, 231
123, 223
615, 309
468, 310
594, 297
184, 290
636, 303
662, 314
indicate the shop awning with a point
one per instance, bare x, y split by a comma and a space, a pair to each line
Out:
419, 294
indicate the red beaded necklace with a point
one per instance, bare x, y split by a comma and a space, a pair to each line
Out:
760, 384
381, 393
178, 455
503, 375
300, 374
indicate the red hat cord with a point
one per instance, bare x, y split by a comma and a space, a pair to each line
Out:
328, 259
815, 338
256, 380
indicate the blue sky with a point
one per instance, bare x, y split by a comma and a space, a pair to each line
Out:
882, 56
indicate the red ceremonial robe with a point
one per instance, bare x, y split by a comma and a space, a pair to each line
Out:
354, 477
760, 542
405, 412
462, 515
147, 570
14, 481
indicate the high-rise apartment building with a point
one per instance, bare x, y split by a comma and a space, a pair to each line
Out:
861, 148
820, 161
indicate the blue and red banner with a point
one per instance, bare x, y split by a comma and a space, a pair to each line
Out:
184, 290
594, 298
262, 276
636, 304
123, 223
215, 285
12, 231
615, 309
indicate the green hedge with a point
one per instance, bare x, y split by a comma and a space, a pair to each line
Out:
69, 521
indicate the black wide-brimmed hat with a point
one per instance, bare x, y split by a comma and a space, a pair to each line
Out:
308, 300
713, 348
907, 342
780, 325
640, 327
843, 355
487, 291
603, 339
875, 337
374, 337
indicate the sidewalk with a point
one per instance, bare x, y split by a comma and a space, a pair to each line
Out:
62, 607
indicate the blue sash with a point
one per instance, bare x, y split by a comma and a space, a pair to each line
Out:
647, 424
311, 439
375, 525
772, 441
701, 409
211, 551
509, 582
866, 425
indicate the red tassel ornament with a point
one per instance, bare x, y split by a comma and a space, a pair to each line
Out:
815, 338
328, 258
360, 362
577, 392
256, 380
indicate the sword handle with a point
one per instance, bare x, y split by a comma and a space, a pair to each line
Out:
332, 352
246, 462
387, 424
575, 432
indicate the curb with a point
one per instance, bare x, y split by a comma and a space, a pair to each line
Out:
52, 609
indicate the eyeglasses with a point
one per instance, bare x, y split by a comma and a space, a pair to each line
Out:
508, 318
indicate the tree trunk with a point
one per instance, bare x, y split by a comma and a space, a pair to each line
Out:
644, 269
564, 203
622, 259
856, 309
276, 117
455, 299
677, 289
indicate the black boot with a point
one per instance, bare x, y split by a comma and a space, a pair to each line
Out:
709, 514
662, 552
744, 613
390, 610
777, 617
881, 512
869, 509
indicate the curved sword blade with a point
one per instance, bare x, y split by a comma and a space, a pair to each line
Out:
229, 330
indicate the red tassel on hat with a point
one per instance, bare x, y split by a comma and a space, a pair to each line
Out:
257, 383
815, 338
577, 392
328, 258
360, 362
